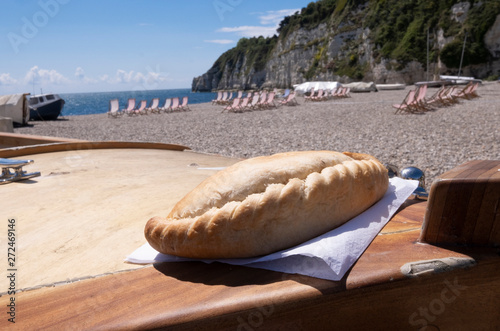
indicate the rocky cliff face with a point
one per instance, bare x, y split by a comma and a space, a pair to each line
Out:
345, 52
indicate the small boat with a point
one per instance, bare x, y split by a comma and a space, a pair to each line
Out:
45, 106
361, 87
15, 107
388, 87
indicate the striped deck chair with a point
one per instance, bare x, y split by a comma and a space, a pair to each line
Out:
114, 109
243, 104
184, 106
255, 101
167, 105
270, 101
142, 109
153, 107
219, 98
233, 106
130, 107
407, 104
175, 104
289, 101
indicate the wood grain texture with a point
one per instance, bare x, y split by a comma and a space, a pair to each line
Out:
464, 206
64, 145
373, 295
15, 140
87, 210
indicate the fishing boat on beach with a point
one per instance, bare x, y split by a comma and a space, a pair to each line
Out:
45, 107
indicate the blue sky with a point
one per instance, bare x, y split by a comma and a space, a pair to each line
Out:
65, 46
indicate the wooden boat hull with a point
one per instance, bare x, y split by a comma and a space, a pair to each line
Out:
71, 257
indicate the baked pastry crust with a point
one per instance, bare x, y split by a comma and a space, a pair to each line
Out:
269, 203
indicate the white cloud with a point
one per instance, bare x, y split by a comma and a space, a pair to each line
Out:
124, 77
80, 73
251, 31
105, 78
220, 41
270, 21
5, 79
149, 79
276, 16
82, 77
44, 76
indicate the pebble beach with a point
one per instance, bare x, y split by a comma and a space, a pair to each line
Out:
434, 141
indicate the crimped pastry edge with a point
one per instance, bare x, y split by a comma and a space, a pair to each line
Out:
219, 233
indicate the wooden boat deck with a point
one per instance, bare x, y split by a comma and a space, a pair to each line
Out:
72, 275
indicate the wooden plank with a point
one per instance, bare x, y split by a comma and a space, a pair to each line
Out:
16, 140
87, 210
190, 295
85, 145
462, 206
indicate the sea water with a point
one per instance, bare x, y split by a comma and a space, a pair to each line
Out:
98, 102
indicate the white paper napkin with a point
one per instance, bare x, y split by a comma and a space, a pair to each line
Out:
328, 256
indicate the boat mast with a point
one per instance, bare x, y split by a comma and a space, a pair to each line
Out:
427, 54
462, 57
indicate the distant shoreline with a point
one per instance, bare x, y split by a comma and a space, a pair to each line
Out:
435, 141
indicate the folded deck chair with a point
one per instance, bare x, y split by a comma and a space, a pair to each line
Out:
175, 104
167, 106
153, 106
130, 110
114, 109
184, 105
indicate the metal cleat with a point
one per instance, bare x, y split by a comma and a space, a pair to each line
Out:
12, 170
416, 174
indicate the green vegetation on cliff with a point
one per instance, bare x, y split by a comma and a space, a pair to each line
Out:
255, 51
397, 31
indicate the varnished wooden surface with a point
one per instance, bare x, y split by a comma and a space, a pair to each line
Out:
87, 210
464, 206
15, 140
373, 295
